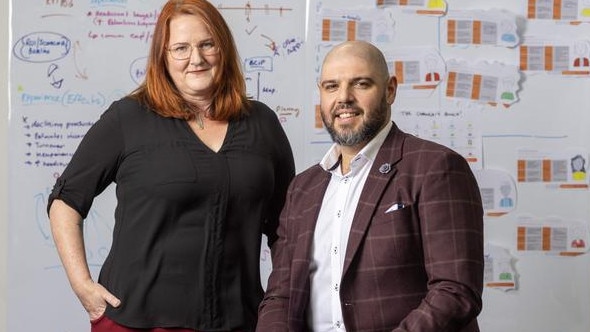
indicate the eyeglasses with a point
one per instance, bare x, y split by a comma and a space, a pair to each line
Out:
183, 51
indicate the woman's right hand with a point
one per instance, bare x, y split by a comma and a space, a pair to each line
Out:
66, 227
94, 297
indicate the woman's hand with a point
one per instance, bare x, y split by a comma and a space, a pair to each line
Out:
66, 227
94, 298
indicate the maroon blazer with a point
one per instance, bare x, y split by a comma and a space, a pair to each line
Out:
418, 268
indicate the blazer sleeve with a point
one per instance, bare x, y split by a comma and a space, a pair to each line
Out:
451, 221
273, 310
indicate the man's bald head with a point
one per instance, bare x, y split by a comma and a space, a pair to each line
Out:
363, 50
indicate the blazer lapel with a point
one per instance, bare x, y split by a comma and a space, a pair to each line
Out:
380, 175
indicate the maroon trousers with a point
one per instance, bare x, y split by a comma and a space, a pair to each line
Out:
104, 324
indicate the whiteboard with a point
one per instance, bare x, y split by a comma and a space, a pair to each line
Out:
97, 54
69, 60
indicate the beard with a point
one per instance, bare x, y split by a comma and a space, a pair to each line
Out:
369, 128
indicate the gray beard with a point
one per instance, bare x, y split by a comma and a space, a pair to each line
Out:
369, 129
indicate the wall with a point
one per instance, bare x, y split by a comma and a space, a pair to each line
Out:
4, 37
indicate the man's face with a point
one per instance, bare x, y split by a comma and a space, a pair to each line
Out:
355, 98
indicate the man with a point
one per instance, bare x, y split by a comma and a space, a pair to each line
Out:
386, 233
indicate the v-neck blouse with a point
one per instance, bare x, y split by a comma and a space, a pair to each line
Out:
186, 241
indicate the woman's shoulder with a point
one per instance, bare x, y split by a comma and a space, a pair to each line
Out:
127, 108
259, 110
260, 107
126, 104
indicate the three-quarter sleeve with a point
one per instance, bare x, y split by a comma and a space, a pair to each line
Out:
284, 169
93, 166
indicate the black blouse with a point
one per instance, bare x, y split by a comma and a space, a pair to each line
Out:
188, 222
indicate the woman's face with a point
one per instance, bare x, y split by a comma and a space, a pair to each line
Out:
193, 76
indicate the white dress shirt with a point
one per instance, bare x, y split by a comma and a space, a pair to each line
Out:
332, 230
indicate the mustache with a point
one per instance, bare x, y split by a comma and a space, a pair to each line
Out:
350, 106
343, 106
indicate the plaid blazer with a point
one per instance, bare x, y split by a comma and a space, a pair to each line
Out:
418, 268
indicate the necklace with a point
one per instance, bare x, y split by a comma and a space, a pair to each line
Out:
199, 114
199, 119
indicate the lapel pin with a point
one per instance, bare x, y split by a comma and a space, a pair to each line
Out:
385, 168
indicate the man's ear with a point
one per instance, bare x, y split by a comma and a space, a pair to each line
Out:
391, 89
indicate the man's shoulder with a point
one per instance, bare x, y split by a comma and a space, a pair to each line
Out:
310, 177
414, 144
312, 172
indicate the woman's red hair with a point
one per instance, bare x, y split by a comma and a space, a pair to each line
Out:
228, 99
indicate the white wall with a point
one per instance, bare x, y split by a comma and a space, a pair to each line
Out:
4, 152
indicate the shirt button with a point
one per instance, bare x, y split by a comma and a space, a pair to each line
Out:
336, 287
338, 324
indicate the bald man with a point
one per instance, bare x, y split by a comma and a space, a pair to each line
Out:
386, 232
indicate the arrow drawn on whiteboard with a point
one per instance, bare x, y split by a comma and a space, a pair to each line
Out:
51, 73
271, 45
80, 73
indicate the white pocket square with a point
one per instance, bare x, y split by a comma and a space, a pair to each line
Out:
394, 207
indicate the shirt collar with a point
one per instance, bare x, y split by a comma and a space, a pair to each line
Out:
331, 159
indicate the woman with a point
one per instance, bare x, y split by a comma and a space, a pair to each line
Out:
201, 173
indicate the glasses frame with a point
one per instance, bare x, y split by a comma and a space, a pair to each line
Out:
205, 48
